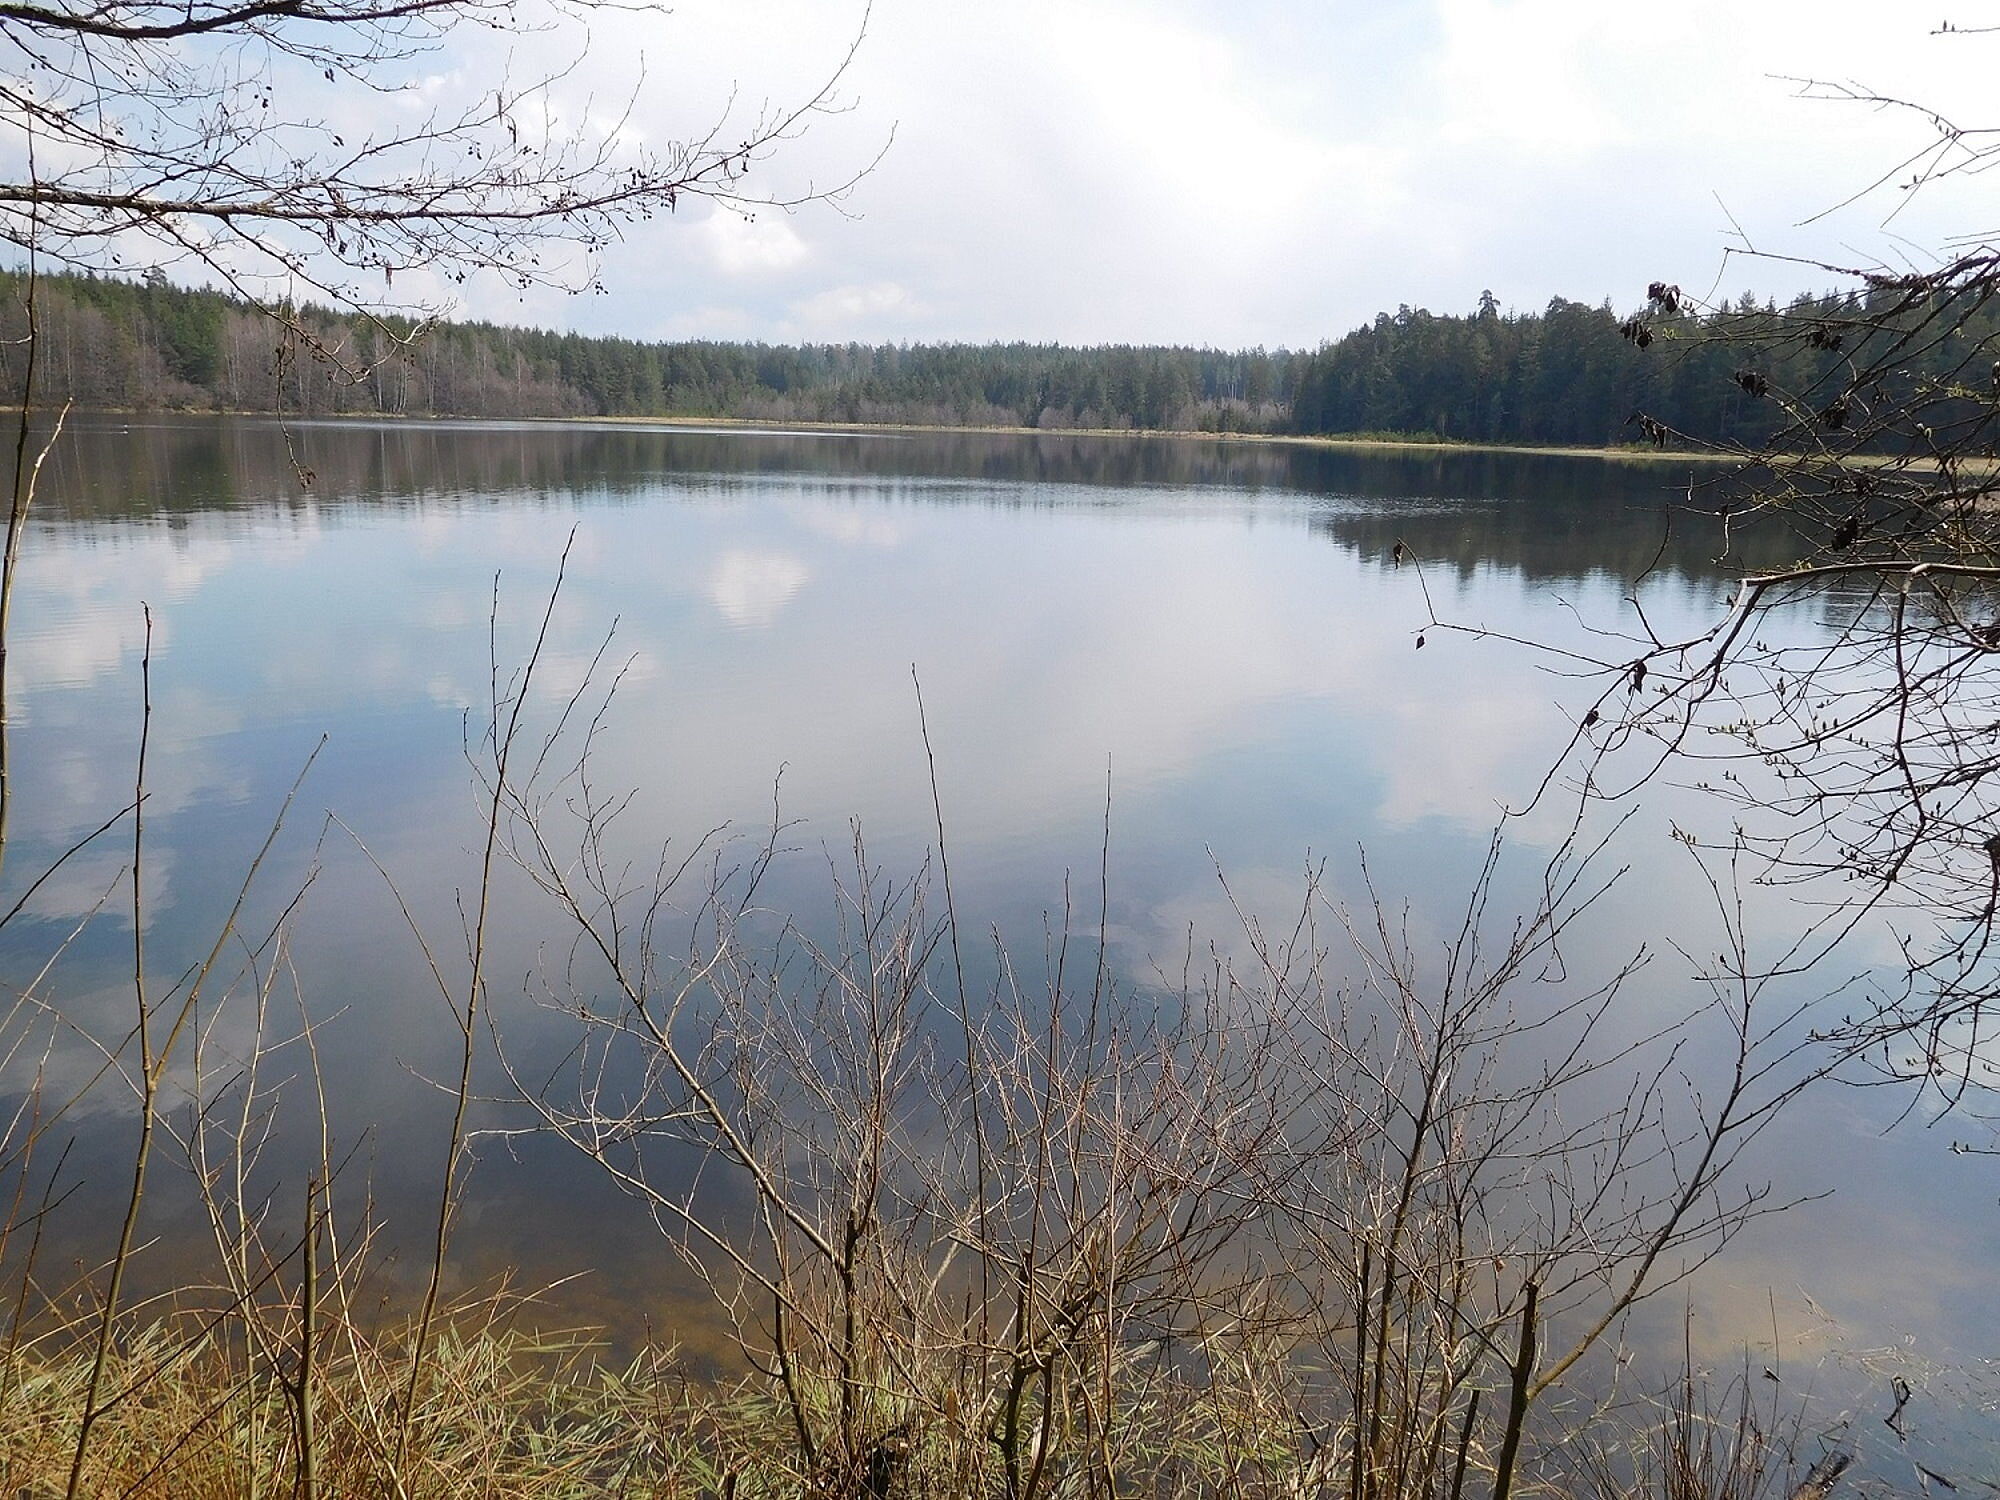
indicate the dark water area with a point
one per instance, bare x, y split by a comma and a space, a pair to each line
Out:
1214, 649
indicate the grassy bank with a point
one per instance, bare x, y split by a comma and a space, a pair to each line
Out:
206, 1408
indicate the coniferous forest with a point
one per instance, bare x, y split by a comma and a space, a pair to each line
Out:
1569, 374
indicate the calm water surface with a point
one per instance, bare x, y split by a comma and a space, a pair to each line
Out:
1216, 637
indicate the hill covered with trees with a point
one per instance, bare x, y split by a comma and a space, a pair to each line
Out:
1569, 374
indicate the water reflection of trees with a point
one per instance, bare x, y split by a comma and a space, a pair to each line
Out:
1587, 512
1613, 529
111, 470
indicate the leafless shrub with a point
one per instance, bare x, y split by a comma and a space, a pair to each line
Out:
1394, 1188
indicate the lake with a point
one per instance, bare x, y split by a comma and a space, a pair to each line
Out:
1162, 680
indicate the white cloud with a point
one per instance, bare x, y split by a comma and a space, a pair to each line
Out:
740, 244
827, 313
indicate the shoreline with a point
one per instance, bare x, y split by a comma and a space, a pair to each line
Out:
1171, 434
1333, 441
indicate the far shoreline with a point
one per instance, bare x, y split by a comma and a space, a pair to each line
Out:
1337, 441
1176, 434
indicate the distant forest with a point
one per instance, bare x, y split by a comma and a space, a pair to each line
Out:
1568, 374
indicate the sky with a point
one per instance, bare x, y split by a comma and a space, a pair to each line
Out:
1249, 172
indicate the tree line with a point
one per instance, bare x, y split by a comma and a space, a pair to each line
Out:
111, 342
1569, 374
1580, 375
